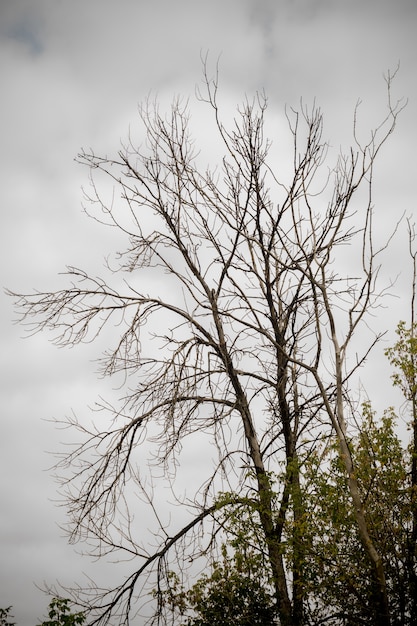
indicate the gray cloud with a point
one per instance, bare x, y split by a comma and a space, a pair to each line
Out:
72, 75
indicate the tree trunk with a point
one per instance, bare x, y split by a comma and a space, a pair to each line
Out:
381, 610
412, 548
264, 489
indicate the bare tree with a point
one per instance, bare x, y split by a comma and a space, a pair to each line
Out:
251, 328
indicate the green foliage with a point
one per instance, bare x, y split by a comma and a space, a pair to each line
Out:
240, 520
5, 617
59, 614
403, 356
336, 575
230, 596
335, 584
234, 594
238, 591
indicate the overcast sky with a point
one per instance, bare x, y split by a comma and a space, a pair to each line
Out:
72, 74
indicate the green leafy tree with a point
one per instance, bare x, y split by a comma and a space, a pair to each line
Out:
335, 586
403, 356
60, 614
232, 595
235, 593
336, 580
